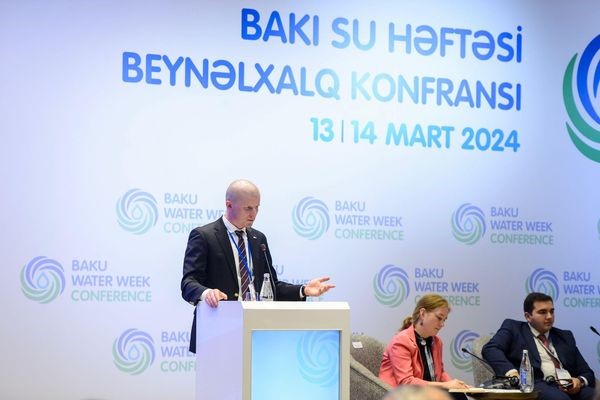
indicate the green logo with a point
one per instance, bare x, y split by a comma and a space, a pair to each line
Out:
580, 93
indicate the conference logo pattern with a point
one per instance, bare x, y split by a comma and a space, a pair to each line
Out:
507, 226
544, 281
137, 211
468, 224
459, 293
349, 219
85, 280
318, 357
460, 359
133, 351
391, 286
576, 288
42, 279
584, 129
310, 218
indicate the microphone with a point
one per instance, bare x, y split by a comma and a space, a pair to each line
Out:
497, 382
594, 330
263, 248
485, 363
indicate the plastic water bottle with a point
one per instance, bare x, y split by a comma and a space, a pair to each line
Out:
526, 373
266, 292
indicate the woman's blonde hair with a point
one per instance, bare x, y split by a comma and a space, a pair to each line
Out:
429, 302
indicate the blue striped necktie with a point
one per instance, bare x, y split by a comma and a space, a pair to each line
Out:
243, 265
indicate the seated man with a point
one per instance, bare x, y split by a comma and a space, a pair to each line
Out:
559, 370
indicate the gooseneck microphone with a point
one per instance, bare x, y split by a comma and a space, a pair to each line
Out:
594, 330
488, 366
497, 382
263, 248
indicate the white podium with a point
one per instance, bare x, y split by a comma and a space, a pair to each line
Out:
273, 350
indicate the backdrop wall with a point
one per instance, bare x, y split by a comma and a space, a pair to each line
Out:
400, 147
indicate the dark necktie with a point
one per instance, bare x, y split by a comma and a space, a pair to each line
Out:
243, 265
546, 344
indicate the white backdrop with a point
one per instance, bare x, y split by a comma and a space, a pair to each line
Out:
435, 159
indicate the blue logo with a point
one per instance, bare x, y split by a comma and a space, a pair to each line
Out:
318, 357
543, 281
391, 285
137, 211
460, 359
310, 218
42, 279
585, 137
133, 351
468, 224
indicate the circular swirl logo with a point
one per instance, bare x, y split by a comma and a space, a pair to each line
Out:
459, 359
133, 351
584, 131
468, 224
391, 286
310, 218
543, 281
318, 357
42, 279
137, 211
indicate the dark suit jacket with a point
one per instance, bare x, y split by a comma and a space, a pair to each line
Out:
209, 263
505, 349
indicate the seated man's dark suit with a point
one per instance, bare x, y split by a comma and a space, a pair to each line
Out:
209, 264
505, 349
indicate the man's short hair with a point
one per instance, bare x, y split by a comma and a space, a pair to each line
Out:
532, 298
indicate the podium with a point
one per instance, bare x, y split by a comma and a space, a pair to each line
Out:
259, 350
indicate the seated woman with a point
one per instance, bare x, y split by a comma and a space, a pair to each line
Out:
414, 356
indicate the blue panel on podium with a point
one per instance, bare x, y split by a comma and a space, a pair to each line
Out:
295, 364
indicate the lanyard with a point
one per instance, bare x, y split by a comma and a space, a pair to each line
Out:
430, 363
244, 261
551, 354
428, 357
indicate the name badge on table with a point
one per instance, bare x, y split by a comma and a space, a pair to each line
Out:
562, 373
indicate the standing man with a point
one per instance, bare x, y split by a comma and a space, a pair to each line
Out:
560, 372
227, 259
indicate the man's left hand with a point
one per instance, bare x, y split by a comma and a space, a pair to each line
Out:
317, 287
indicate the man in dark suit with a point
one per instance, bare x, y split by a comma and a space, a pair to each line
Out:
560, 372
227, 259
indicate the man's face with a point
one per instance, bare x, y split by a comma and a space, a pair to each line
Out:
542, 316
242, 210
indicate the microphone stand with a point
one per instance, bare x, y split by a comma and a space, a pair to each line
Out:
497, 382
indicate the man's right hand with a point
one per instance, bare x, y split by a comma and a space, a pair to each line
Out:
214, 296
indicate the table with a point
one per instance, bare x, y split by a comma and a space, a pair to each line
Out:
496, 394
